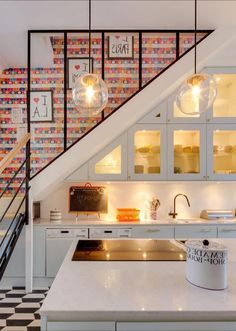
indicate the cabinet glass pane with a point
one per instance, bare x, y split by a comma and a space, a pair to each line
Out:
111, 163
147, 152
225, 102
191, 105
224, 148
186, 152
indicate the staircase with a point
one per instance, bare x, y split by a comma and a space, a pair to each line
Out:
146, 99
15, 214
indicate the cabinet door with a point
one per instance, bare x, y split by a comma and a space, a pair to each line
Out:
223, 109
157, 115
111, 162
56, 250
195, 231
39, 254
113, 232
221, 148
227, 231
80, 174
152, 232
187, 152
147, 152
174, 114
16, 265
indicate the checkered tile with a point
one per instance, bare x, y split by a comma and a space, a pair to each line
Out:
20, 311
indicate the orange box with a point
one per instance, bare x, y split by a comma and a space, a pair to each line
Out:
127, 214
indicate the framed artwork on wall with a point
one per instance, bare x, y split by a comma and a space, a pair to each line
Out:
41, 106
120, 46
77, 67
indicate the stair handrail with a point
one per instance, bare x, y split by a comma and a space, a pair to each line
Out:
14, 151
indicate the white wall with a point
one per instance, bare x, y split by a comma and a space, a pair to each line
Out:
132, 195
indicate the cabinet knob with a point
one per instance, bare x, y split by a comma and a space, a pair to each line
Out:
208, 120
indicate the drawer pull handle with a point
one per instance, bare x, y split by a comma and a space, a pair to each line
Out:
205, 230
228, 230
152, 231
108, 231
64, 231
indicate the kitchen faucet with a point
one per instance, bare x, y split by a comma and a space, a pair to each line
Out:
174, 214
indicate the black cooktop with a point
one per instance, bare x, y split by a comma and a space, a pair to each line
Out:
129, 250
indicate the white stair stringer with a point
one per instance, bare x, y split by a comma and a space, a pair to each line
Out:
53, 175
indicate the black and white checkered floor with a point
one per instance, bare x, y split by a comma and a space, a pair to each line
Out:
20, 311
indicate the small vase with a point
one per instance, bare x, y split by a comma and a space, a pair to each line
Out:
153, 215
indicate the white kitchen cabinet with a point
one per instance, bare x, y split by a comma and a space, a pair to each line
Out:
176, 326
39, 253
112, 232
81, 174
187, 151
58, 242
174, 114
147, 152
195, 231
227, 231
158, 115
221, 147
111, 162
223, 109
152, 232
16, 265
77, 326
56, 251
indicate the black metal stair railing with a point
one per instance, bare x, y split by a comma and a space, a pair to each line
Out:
15, 214
68, 48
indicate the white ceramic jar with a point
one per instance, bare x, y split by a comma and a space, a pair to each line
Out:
55, 215
207, 264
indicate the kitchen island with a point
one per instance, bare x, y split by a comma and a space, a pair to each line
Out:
134, 296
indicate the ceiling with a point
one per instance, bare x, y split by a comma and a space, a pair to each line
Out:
19, 16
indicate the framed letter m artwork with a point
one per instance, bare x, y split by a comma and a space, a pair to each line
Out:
41, 105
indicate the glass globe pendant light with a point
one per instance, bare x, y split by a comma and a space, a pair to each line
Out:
198, 92
90, 93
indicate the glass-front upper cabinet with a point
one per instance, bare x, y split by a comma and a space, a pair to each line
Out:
174, 114
221, 144
224, 106
147, 152
111, 162
187, 152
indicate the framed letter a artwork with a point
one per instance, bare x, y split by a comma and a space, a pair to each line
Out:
77, 67
41, 105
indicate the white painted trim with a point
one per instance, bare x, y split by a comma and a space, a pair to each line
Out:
49, 179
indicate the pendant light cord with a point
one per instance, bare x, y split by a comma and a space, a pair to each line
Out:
195, 37
89, 36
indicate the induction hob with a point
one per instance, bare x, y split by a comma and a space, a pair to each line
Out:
129, 250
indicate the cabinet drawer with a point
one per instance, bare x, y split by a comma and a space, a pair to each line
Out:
153, 232
109, 233
228, 231
67, 233
195, 231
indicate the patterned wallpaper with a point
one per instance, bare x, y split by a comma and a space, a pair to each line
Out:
121, 76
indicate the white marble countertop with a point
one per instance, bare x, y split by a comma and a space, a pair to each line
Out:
113, 222
134, 291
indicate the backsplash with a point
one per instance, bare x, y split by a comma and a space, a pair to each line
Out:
134, 194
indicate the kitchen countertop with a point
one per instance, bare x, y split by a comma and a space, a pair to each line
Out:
145, 291
113, 222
